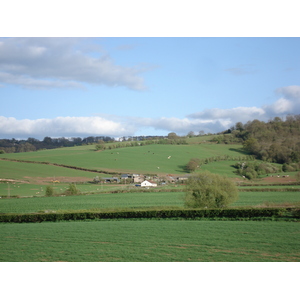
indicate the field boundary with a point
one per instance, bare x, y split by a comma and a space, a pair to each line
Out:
258, 214
59, 165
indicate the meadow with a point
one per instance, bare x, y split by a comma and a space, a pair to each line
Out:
150, 159
29, 172
150, 241
133, 200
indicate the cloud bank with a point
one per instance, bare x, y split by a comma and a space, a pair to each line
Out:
43, 63
210, 120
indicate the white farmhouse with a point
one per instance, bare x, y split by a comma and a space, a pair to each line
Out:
148, 183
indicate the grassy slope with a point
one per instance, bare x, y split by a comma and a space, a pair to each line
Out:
22, 171
143, 159
149, 240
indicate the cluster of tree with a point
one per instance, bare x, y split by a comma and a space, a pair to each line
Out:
195, 163
207, 190
71, 190
252, 170
161, 141
274, 141
32, 144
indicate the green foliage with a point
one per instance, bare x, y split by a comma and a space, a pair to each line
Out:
193, 164
100, 147
173, 135
252, 170
230, 214
274, 141
49, 191
207, 190
72, 190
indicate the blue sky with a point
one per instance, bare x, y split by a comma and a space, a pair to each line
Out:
144, 86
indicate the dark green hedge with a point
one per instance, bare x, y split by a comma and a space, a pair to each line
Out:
228, 214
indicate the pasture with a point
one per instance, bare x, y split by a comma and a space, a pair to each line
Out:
133, 200
151, 159
29, 172
151, 241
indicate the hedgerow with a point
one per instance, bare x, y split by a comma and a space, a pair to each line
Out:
215, 214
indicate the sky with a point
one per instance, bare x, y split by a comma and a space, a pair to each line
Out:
125, 86
145, 68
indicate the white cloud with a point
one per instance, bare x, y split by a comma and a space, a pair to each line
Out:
210, 120
281, 106
229, 116
62, 126
61, 63
288, 104
292, 91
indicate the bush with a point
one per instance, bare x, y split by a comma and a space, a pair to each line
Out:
72, 190
292, 214
193, 164
49, 191
207, 190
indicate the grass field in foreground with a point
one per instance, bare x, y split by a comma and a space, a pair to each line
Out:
132, 200
155, 240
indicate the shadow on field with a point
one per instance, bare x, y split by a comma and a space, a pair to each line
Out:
240, 151
182, 169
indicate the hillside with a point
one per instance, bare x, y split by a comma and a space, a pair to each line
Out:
153, 159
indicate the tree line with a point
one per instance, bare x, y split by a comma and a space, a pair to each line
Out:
32, 144
274, 141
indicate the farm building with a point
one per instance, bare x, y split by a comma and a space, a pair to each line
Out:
170, 178
126, 176
148, 183
111, 179
183, 177
138, 178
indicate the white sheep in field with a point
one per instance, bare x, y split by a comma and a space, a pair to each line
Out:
157, 167
169, 157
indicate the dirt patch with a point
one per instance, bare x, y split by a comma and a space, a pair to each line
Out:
269, 179
58, 179
280, 179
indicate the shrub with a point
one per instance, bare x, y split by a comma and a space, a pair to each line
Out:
193, 164
49, 191
72, 190
207, 190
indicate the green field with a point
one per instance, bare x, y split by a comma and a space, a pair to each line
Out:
38, 190
142, 159
138, 240
133, 200
27, 171
155, 240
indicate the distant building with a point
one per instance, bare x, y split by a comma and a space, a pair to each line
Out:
111, 179
148, 183
183, 177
